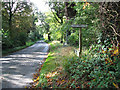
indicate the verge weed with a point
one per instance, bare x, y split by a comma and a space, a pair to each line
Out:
98, 67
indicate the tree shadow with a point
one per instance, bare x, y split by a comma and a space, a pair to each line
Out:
18, 68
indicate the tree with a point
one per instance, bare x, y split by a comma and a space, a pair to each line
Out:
18, 21
110, 24
57, 8
44, 24
61, 9
11, 9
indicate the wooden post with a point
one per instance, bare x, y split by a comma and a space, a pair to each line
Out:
80, 42
66, 37
80, 37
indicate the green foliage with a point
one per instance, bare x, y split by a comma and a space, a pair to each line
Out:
73, 39
109, 17
6, 41
57, 9
46, 41
92, 71
14, 49
86, 13
83, 16
18, 25
22, 38
32, 36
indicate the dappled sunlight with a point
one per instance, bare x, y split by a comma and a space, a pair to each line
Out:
5, 60
42, 56
54, 42
74, 45
85, 5
13, 76
29, 55
52, 54
18, 68
22, 55
65, 51
13, 67
51, 74
16, 80
39, 53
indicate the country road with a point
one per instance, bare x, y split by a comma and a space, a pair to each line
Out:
18, 68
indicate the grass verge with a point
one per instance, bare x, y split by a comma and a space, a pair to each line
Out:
53, 67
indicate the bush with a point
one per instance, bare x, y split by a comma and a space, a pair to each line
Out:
31, 36
73, 39
22, 38
99, 69
6, 41
10, 42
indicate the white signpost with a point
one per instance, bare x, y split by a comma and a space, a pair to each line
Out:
80, 38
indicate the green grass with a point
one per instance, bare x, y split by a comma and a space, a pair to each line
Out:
8, 51
57, 58
50, 63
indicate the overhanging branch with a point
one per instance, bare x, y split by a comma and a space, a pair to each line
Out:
114, 30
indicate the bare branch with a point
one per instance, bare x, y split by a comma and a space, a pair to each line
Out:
114, 30
55, 16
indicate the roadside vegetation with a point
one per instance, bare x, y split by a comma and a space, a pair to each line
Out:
99, 64
11, 50
54, 66
63, 69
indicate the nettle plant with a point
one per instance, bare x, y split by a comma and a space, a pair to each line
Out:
98, 69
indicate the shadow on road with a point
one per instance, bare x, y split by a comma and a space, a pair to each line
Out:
18, 68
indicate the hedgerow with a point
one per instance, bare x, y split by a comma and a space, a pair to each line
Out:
98, 69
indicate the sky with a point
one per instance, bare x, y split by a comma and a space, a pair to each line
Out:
41, 5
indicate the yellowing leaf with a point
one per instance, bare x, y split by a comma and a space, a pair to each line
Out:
116, 52
115, 85
108, 59
105, 62
36, 79
36, 83
104, 51
83, 61
86, 4
93, 79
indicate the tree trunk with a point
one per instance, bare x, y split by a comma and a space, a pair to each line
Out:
10, 19
49, 37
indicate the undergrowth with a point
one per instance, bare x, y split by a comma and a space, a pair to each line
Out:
11, 50
98, 67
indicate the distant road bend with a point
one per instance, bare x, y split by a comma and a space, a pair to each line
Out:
18, 68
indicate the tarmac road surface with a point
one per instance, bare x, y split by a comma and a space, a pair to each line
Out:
18, 68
